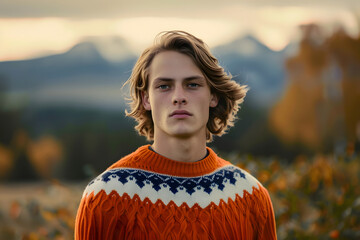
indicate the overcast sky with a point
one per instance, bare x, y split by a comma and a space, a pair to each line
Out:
38, 27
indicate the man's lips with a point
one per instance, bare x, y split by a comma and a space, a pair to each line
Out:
180, 114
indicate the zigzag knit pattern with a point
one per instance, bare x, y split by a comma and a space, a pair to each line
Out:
147, 196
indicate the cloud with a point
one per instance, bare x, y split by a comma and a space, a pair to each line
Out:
144, 8
27, 38
39, 27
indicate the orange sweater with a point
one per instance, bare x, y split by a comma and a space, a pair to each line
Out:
147, 196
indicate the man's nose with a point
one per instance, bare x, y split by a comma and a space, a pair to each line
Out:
179, 96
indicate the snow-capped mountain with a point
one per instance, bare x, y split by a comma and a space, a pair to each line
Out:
112, 48
254, 64
93, 71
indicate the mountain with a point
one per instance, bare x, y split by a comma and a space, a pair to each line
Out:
93, 71
254, 64
113, 49
87, 74
244, 46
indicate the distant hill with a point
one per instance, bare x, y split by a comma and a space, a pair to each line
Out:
92, 73
254, 64
86, 75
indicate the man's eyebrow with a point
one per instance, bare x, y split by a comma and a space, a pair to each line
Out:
197, 77
165, 79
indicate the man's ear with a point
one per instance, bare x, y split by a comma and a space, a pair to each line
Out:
214, 100
145, 100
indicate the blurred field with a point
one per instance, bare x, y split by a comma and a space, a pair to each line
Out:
314, 198
43, 210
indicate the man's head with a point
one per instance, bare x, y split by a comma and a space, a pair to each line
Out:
229, 94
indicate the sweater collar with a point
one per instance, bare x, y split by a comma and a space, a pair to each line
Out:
157, 163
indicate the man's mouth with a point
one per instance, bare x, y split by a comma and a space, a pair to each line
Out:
180, 114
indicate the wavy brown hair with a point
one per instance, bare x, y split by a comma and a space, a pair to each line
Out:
230, 94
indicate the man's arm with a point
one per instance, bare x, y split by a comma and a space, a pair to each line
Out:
269, 229
98, 218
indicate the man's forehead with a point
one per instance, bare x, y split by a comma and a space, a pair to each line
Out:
168, 59
173, 65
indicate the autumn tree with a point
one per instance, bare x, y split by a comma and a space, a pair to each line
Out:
320, 105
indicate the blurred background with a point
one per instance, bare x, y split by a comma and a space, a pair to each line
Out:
62, 121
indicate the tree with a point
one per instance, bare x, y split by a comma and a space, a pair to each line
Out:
320, 105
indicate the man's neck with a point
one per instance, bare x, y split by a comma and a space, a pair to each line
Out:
182, 150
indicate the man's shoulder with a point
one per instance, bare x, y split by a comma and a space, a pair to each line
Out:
245, 181
244, 174
120, 170
258, 192
108, 181
251, 191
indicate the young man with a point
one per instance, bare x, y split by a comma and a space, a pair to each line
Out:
177, 187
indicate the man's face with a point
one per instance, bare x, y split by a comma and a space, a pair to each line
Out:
178, 96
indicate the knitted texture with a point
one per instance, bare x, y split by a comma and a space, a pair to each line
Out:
147, 196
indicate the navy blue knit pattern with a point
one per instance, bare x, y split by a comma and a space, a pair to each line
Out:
206, 182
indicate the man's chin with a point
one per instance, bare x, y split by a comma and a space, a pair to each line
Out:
183, 135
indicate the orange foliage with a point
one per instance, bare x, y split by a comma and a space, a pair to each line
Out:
347, 52
321, 103
20, 139
6, 160
334, 234
44, 154
295, 118
15, 210
351, 89
313, 198
320, 171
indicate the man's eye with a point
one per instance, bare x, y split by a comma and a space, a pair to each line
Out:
193, 85
163, 87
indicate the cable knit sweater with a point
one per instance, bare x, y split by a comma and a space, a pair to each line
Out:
147, 196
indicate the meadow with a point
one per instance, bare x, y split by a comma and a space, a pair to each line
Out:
316, 197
